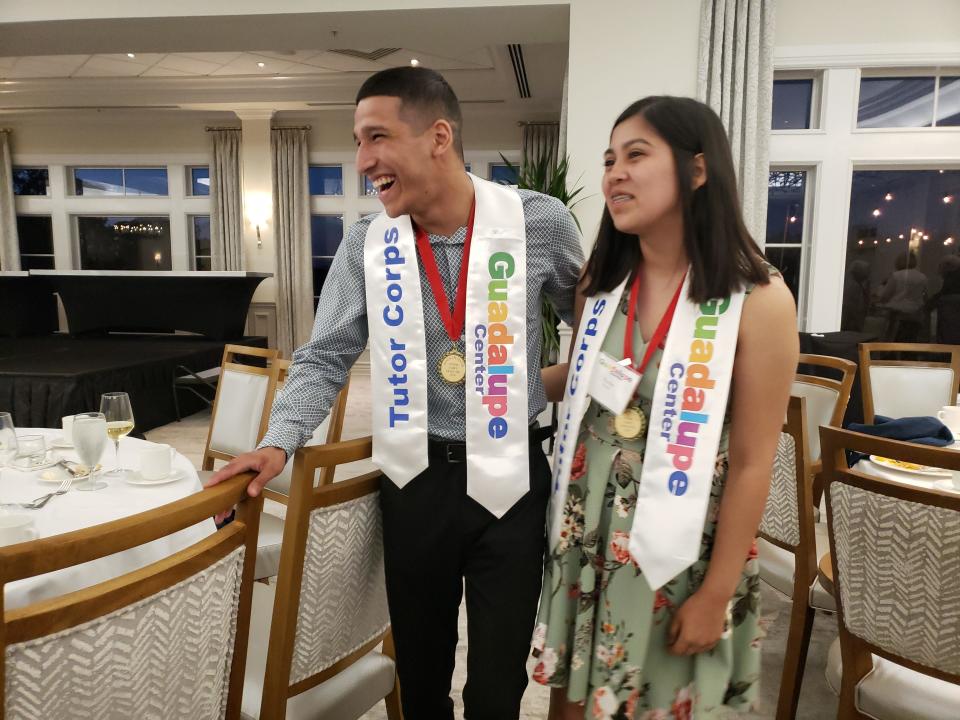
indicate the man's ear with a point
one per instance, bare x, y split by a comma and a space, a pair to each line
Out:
442, 132
698, 171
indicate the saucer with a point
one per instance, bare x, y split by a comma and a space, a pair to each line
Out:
49, 460
135, 478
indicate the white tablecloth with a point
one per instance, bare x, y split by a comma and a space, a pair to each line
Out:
75, 510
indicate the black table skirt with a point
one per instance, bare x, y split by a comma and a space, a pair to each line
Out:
44, 378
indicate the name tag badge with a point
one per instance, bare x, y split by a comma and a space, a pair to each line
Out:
612, 384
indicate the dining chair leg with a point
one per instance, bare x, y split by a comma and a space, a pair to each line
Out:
795, 659
392, 701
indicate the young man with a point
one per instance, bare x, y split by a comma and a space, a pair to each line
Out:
446, 283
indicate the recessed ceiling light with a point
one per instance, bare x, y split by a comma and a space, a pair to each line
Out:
261, 64
131, 55
414, 62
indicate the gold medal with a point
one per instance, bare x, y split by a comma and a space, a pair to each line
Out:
631, 423
453, 367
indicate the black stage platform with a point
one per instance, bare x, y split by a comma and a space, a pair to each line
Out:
44, 378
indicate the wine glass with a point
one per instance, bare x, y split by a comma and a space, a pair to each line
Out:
89, 441
8, 439
118, 414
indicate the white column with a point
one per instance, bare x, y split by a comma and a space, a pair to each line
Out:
620, 53
257, 193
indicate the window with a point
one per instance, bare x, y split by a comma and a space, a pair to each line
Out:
99, 182
326, 180
36, 242
199, 180
200, 241
503, 174
786, 198
124, 242
901, 255
792, 104
896, 102
326, 232
948, 102
31, 181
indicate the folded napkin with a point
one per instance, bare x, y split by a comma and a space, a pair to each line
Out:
921, 430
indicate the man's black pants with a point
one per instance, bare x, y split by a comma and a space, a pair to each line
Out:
435, 538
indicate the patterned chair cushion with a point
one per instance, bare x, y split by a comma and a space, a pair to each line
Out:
780, 515
166, 657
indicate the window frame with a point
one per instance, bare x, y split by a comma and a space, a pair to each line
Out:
53, 248
816, 101
343, 188
188, 180
72, 181
192, 240
806, 231
936, 72
29, 166
77, 241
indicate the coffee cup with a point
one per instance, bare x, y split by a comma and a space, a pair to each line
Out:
949, 415
17, 528
156, 462
67, 421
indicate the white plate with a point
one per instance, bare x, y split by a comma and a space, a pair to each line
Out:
946, 485
49, 460
924, 471
135, 478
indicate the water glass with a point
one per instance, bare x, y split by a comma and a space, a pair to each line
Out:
32, 449
89, 441
8, 439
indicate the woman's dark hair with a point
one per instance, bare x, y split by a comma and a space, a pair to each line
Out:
425, 96
723, 256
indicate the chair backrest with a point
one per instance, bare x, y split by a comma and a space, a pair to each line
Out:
330, 607
168, 641
788, 515
329, 431
241, 407
826, 397
896, 559
906, 388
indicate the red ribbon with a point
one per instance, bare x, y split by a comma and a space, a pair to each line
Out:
659, 334
453, 319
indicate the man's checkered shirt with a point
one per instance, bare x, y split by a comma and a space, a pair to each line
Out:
320, 367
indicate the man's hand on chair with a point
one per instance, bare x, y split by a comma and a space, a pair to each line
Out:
267, 462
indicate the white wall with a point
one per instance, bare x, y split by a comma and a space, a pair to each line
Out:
629, 50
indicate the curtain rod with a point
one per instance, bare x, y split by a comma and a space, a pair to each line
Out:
210, 128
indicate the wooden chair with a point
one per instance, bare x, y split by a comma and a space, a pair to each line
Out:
241, 407
827, 399
907, 388
896, 567
789, 546
278, 489
168, 641
328, 610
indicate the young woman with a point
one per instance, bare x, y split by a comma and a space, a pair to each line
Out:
613, 641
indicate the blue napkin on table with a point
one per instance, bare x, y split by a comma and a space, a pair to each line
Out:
922, 430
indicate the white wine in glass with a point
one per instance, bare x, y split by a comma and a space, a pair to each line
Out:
118, 413
89, 440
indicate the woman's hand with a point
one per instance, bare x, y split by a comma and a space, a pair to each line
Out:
698, 625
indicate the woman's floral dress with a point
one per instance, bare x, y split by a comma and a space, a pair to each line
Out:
601, 632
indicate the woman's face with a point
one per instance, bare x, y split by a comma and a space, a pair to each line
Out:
639, 178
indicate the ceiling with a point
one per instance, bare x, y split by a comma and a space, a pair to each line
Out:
312, 60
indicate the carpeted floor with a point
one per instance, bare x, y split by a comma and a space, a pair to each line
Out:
817, 702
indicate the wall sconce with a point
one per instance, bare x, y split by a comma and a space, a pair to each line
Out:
259, 208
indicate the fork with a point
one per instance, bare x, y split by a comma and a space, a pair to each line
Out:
43, 499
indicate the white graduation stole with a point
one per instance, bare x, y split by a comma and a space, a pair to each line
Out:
685, 424
495, 330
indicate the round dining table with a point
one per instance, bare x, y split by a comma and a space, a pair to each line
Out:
75, 510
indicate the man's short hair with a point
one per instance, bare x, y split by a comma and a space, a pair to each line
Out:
425, 96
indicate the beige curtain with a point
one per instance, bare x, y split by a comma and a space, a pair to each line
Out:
226, 206
736, 79
9, 246
540, 139
291, 213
